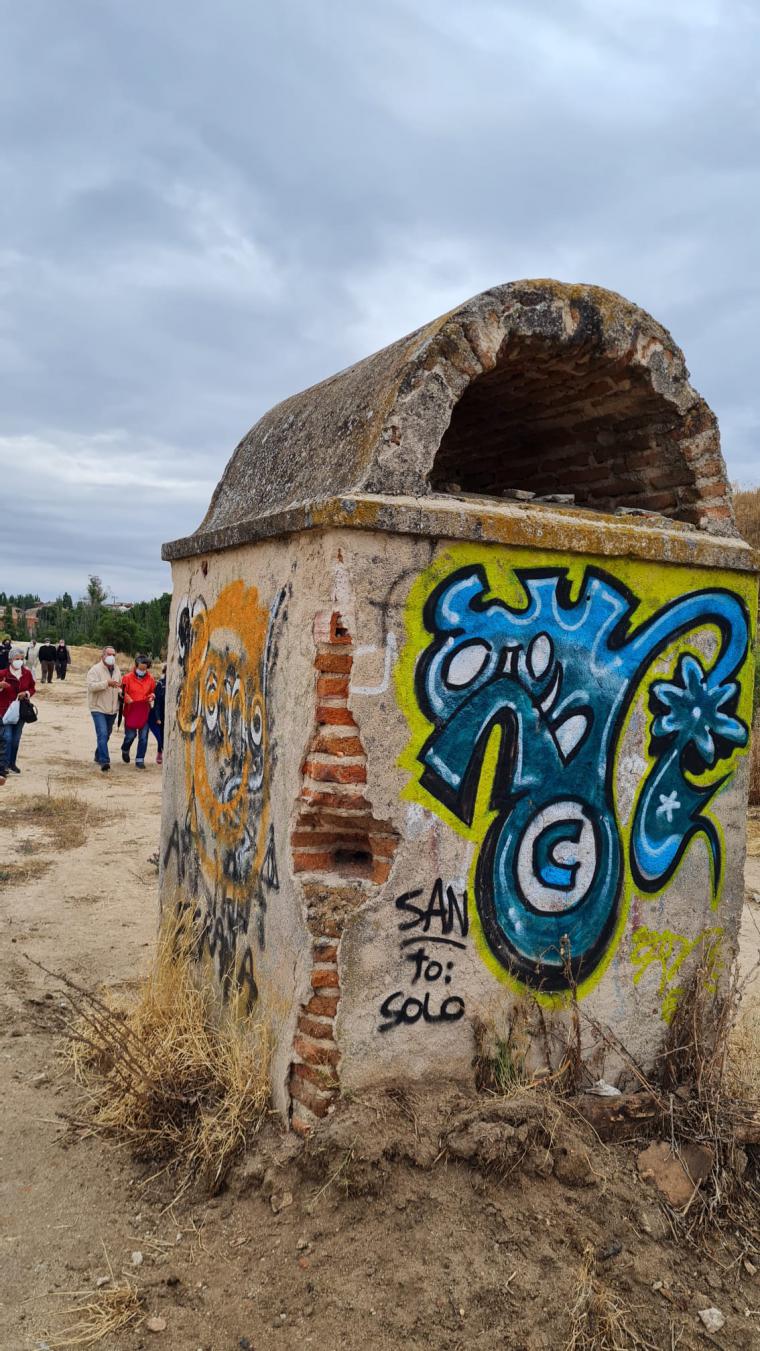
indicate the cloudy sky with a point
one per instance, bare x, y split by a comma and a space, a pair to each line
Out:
206, 205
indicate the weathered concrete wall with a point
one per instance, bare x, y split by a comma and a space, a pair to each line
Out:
415, 782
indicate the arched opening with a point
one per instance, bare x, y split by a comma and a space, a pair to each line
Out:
566, 419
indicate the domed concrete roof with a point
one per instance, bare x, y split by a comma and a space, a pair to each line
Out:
534, 387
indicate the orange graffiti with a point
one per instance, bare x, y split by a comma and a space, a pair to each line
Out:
222, 717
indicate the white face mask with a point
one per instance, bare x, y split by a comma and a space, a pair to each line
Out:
17, 665
110, 661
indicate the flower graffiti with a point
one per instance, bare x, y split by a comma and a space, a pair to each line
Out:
556, 673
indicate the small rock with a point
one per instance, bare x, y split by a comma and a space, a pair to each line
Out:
102, 1280
156, 1324
750, 1267
269, 1181
653, 1223
572, 1165
675, 1177
302, 1244
304, 1263
483, 1142
280, 1201
541, 1161
245, 1344
137, 1259
37, 1080
518, 494
713, 1319
610, 1250
252, 1172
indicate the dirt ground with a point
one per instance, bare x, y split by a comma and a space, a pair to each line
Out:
380, 1241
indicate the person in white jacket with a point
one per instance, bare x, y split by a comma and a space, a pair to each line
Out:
103, 682
33, 658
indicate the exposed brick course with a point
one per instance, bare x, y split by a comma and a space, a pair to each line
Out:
337, 837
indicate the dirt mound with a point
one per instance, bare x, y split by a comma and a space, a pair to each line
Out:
447, 1218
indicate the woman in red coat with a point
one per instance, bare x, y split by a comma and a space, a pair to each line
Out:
138, 688
15, 683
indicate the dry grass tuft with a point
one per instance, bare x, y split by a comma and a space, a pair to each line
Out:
97, 1315
85, 656
65, 818
743, 1067
747, 508
711, 1073
26, 870
599, 1320
185, 1086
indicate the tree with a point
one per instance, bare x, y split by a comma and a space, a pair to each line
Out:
66, 600
153, 617
121, 631
96, 592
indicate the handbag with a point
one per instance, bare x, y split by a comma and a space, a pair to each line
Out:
27, 711
12, 713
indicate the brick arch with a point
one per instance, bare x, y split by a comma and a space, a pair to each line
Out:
592, 406
568, 422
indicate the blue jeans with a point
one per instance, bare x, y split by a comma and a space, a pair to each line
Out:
103, 727
142, 741
11, 737
157, 728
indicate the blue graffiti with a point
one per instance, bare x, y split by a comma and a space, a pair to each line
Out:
558, 677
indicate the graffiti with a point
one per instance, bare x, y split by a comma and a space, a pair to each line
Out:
523, 708
430, 953
224, 851
220, 931
670, 951
388, 660
269, 871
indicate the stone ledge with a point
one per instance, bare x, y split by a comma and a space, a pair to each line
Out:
490, 521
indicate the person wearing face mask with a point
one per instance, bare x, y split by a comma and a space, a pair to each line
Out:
47, 661
103, 685
33, 657
17, 682
138, 689
62, 659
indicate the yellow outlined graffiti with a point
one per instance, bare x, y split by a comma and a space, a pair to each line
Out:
491, 581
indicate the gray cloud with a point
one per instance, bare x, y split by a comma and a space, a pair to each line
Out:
208, 207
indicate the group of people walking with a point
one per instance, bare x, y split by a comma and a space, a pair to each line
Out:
48, 657
140, 699
136, 697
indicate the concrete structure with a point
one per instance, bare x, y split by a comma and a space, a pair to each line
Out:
459, 723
